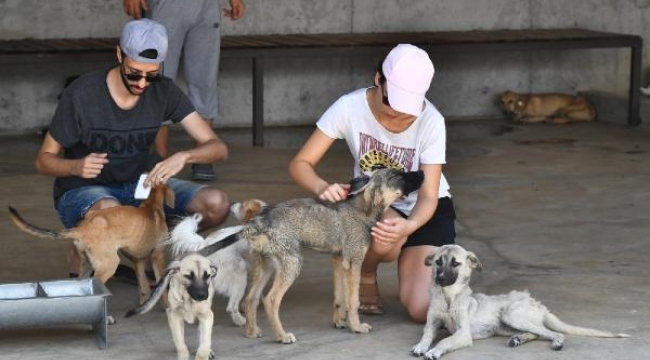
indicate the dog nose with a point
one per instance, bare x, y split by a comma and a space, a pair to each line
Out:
198, 292
440, 278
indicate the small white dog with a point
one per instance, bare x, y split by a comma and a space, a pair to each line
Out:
190, 299
231, 279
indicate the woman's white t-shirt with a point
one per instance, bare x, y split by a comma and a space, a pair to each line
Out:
423, 142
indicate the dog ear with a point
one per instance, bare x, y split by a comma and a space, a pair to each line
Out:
170, 197
474, 262
248, 216
197, 217
173, 267
358, 184
428, 261
214, 270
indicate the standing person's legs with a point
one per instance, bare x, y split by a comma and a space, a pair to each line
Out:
201, 69
172, 14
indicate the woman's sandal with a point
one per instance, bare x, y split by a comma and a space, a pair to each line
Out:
369, 300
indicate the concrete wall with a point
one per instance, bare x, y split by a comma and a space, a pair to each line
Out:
297, 91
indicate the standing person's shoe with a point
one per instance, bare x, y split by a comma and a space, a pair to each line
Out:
202, 172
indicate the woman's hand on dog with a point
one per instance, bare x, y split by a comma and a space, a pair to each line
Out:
335, 192
391, 230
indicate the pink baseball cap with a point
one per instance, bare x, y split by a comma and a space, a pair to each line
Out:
408, 71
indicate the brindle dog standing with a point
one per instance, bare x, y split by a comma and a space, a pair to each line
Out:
470, 316
342, 229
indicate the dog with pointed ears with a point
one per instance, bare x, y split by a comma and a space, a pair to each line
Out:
469, 316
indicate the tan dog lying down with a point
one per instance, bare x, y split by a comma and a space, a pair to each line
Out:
139, 232
553, 108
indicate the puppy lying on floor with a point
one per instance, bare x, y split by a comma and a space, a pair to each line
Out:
191, 288
470, 316
553, 108
231, 279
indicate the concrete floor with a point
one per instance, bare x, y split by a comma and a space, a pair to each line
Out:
560, 211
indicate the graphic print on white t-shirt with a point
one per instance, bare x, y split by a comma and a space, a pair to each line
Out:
374, 154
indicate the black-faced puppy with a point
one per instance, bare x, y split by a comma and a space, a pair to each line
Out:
470, 316
232, 278
190, 299
277, 234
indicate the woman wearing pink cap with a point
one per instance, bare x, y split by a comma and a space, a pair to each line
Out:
391, 125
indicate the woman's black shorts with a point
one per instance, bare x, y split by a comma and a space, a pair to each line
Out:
439, 230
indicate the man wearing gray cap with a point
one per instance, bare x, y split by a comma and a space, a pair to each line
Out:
194, 29
100, 139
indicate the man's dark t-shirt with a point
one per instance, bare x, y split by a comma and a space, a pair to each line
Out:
87, 120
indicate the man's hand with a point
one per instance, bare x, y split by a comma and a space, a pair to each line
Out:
236, 11
335, 193
90, 166
166, 169
133, 8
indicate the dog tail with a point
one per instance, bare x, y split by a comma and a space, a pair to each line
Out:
225, 242
160, 289
554, 323
35, 230
184, 238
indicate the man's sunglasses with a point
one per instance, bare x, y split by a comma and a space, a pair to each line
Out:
137, 77
147, 78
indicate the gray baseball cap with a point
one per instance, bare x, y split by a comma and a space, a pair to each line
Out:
145, 41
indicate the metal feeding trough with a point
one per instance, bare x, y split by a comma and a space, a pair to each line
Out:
58, 302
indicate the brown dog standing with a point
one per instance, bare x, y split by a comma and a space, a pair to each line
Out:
137, 231
554, 108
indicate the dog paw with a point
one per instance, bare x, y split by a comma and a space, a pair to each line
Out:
419, 349
363, 328
183, 354
340, 323
557, 344
238, 319
340, 320
110, 320
433, 354
253, 332
287, 338
514, 341
204, 355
